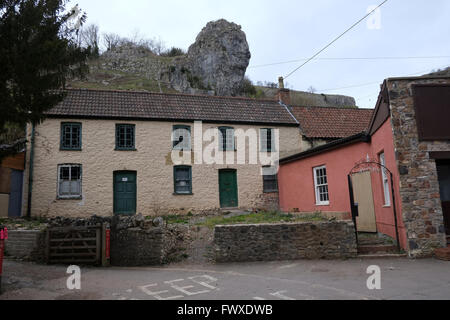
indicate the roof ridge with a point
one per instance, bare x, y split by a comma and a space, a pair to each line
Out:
333, 107
170, 94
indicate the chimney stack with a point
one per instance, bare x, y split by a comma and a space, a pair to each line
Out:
284, 95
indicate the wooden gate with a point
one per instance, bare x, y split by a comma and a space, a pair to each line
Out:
363, 196
75, 245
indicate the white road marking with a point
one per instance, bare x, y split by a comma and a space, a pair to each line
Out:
258, 298
204, 283
288, 266
157, 294
185, 288
281, 295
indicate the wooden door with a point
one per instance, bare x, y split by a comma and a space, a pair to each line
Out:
228, 188
125, 192
362, 189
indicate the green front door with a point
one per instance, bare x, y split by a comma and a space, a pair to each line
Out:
124, 192
228, 188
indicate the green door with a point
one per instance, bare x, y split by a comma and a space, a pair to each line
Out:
125, 192
228, 188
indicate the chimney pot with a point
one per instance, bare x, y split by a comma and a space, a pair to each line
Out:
280, 83
284, 95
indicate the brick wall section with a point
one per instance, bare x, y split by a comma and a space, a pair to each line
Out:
419, 186
25, 244
271, 242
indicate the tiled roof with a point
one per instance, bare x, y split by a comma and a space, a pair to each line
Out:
332, 123
82, 103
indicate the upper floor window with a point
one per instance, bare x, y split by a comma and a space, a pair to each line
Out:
385, 180
181, 138
270, 180
69, 181
226, 139
125, 136
70, 136
321, 186
267, 140
182, 176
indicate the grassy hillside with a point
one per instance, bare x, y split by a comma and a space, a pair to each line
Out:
135, 68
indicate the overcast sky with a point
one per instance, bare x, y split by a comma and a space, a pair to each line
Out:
285, 30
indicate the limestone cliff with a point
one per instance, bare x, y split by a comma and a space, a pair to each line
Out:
214, 64
216, 61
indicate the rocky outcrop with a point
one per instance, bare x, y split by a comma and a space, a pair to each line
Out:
216, 62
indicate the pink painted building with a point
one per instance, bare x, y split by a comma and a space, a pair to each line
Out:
317, 180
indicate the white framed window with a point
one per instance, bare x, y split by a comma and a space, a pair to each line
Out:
385, 181
321, 186
69, 181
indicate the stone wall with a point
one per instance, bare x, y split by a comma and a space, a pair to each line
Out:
136, 241
271, 242
419, 186
137, 247
25, 244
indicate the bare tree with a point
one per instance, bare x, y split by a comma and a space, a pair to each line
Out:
311, 89
90, 37
111, 40
158, 46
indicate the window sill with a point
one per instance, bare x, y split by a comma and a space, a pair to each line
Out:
322, 204
116, 149
387, 206
61, 149
182, 194
69, 198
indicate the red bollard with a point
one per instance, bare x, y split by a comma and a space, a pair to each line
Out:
3, 237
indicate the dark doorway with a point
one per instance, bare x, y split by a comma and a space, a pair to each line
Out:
125, 192
228, 188
443, 169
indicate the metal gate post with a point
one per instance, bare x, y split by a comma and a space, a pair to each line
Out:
106, 245
353, 206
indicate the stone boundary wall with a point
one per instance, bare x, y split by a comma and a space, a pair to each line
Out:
25, 244
137, 247
286, 241
136, 241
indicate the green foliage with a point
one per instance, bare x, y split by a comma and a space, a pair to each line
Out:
173, 52
38, 51
176, 219
249, 90
260, 217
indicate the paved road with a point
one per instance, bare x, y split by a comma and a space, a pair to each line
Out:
292, 280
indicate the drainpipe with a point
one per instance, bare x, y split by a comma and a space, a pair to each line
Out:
30, 170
